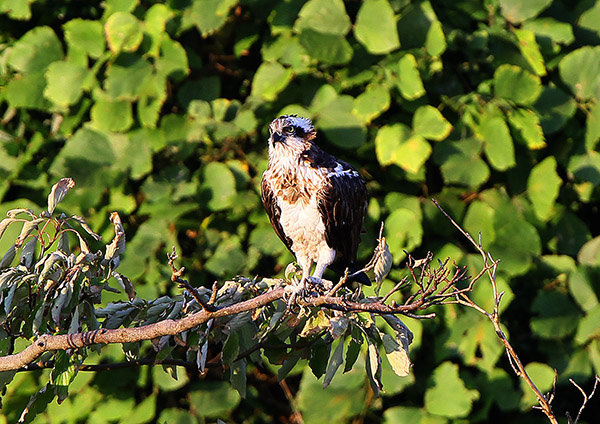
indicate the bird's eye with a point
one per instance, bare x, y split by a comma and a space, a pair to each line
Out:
289, 130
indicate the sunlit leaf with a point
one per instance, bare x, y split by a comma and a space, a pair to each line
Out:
376, 27
448, 396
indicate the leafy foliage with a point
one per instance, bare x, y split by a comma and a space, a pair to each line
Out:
159, 111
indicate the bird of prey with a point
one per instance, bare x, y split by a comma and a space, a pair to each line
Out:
315, 202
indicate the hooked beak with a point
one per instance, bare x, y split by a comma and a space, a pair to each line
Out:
277, 137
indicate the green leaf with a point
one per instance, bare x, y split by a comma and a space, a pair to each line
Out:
435, 43
219, 181
409, 80
449, 397
111, 115
530, 50
412, 153
216, 397
408, 414
509, 226
340, 125
123, 32
589, 326
516, 84
542, 376
480, 219
269, 80
580, 287
65, 83
155, 22
526, 125
403, 231
558, 32
35, 50
543, 186
590, 253
324, 16
231, 349
332, 49
126, 78
498, 145
517, 11
555, 108
343, 399
555, 315
319, 354
372, 102
430, 123
460, 162
173, 61
375, 27
586, 167
168, 383
590, 19
87, 35
209, 15
580, 69
592, 127
27, 91
16, 9
335, 361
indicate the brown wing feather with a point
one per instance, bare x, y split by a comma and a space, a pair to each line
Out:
342, 205
273, 211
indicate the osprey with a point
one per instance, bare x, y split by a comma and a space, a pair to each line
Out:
315, 202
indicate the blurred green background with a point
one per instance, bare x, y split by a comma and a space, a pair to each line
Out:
159, 111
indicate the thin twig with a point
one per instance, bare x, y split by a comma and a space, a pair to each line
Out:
494, 317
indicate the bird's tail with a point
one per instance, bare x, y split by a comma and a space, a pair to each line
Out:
354, 274
359, 276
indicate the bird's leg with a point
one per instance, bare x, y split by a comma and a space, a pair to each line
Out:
300, 287
325, 259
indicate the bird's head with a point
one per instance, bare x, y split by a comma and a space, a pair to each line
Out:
290, 135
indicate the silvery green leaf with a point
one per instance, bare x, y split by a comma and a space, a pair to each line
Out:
63, 298
28, 227
117, 246
397, 356
14, 212
126, 284
58, 192
8, 256
6, 277
238, 377
239, 320
231, 348
4, 224
202, 353
373, 366
27, 253
383, 263
9, 297
403, 335
288, 364
174, 314
74, 326
37, 320
81, 221
339, 324
53, 259
63, 243
335, 361
83, 246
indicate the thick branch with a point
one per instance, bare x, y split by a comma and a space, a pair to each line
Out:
47, 342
